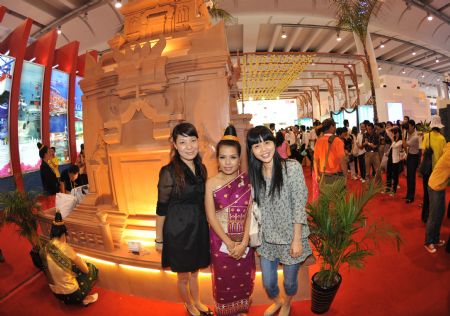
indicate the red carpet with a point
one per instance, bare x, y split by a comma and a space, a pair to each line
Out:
18, 266
411, 282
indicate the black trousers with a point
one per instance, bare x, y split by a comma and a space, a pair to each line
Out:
412, 162
389, 172
362, 165
396, 168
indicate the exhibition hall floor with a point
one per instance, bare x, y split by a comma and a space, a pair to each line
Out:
411, 282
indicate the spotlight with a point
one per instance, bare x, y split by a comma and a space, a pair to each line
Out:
338, 37
437, 60
379, 68
423, 76
414, 53
283, 34
55, 66
58, 30
429, 17
403, 71
32, 59
250, 98
313, 64
382, 45
118, 4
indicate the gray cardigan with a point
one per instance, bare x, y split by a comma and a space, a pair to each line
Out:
280, 212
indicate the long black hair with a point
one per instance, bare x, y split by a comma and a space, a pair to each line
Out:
257, 135
229, 131
279, 139
184, 129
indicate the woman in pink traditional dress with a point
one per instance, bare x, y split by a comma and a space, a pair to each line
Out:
227, 201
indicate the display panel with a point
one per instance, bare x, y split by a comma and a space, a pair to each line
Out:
338, 118
6, 74
29, 120
59, 95
395, 111
305, 121
365, 112
352, 118
78, 114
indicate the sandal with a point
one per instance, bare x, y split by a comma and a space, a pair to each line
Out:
430, 248
440, 243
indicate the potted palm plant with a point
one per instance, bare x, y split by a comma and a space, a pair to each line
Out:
341, 235
21, 208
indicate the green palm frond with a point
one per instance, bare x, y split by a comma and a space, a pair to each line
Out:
339, 230
20, 208
354, 16
220, 14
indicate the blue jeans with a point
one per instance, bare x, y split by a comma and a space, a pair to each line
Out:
437, 211
270, 277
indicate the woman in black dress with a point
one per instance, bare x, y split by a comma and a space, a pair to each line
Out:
49, 180
182, 228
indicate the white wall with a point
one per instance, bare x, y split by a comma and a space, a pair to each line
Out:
402, 90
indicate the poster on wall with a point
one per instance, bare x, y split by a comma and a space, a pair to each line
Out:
6, 73
78, 114
29, 119
59, 96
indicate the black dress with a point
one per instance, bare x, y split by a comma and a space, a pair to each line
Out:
49, 180
185, 231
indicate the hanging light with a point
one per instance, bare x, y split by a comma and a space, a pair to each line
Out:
379, 68
403, 71
382, 45
58, 30
338, 37
437, 60
118, 4
429, 17
283, 35
414, 52
423, 76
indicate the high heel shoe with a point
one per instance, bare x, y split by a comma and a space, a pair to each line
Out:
190, 313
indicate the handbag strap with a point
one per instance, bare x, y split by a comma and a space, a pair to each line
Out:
330, 142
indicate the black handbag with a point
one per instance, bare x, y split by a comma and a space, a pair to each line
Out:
425, 167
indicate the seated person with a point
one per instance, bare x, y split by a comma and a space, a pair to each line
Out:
69, 178
71, 278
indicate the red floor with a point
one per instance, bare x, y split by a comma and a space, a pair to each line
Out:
411, 282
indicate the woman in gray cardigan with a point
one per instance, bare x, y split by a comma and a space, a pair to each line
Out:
281, 194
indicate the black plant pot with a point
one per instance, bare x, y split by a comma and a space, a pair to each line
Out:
36, 258
321, 298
